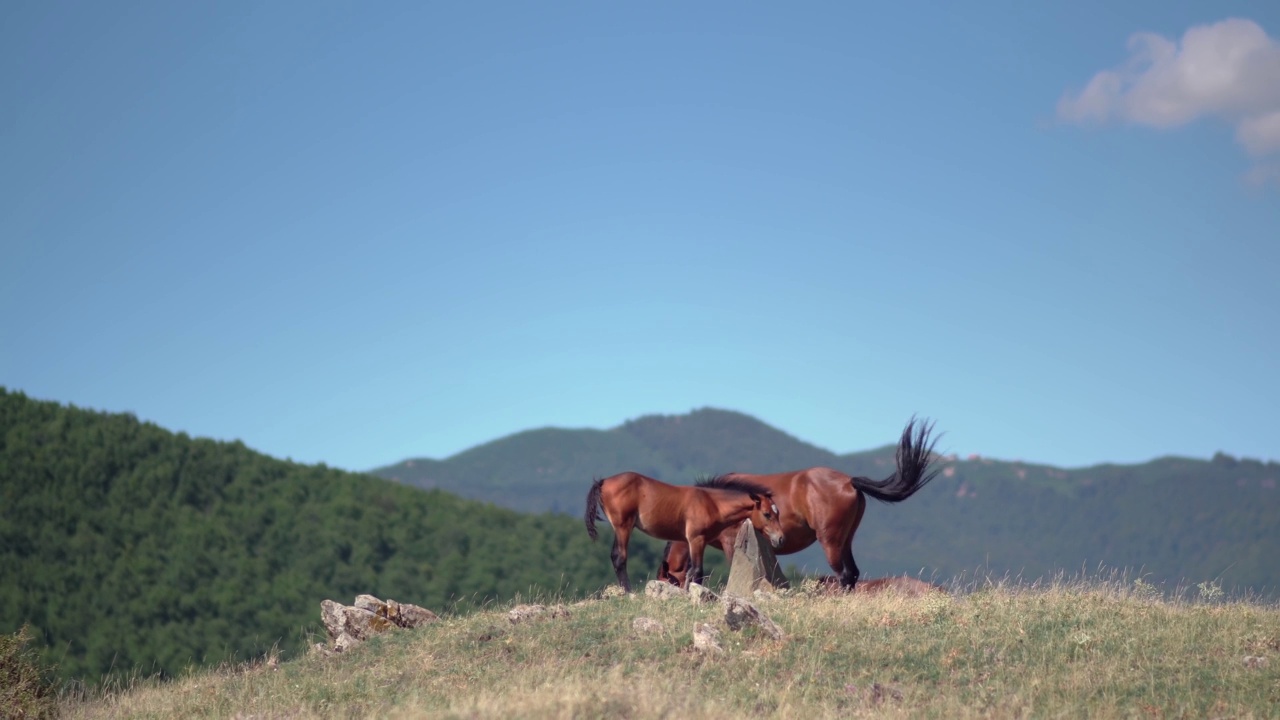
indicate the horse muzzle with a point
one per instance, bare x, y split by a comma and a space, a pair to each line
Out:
777, 540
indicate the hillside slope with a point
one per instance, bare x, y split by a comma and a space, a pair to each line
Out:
1084, 649
127, 546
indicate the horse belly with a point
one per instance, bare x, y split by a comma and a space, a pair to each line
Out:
659, 527
797, 539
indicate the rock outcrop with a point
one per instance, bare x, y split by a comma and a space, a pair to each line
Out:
349, 625
521, 613
661, 590
739, 613
754, 566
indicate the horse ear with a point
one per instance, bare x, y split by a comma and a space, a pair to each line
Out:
754, 498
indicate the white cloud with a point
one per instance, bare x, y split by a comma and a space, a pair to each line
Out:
1260, 134
1229, 70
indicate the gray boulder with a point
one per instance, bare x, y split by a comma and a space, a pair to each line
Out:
754, 566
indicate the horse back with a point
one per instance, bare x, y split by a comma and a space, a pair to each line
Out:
809, 495
656, 508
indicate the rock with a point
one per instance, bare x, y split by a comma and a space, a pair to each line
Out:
706, 638
754, 566
400, 614
1255, 661
406, 615
521, 613
349, 625
766, 596
700, 594
647, 625
613, 591
662, 590
739, 613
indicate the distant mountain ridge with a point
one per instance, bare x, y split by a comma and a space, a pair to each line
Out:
537, 470
1173, 519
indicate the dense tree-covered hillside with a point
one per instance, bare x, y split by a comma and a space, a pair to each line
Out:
1176, 519
126, 546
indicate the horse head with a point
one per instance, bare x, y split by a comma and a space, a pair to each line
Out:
767, 519
675, 565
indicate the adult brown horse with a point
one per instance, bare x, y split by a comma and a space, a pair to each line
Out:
691, 514
824, 505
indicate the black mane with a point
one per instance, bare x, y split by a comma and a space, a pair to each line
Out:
724, 482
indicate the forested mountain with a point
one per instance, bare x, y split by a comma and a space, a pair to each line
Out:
1174, 519
127, 546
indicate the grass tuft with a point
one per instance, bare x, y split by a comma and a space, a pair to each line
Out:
27, 686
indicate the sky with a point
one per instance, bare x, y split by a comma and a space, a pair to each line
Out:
354, 233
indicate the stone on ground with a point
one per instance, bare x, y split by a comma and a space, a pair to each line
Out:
754, 566
739, 613
662, 590
701, 594
706, 638
521, 613
349, 625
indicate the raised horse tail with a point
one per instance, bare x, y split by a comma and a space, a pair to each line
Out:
915, 453
593, 508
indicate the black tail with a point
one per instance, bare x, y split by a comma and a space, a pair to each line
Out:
593, 508
915, 452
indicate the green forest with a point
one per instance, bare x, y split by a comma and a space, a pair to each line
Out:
129, 548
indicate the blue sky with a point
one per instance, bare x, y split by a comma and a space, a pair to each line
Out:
353, 233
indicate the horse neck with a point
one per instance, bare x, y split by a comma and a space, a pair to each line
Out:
733, 507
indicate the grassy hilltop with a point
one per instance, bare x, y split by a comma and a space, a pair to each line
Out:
1084, 649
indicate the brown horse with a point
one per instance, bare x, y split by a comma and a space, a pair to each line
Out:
824, 505
690, 514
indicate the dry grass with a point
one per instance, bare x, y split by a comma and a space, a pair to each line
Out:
1084, 649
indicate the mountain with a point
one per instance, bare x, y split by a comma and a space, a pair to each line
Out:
1172, 520
127, 546
550, 469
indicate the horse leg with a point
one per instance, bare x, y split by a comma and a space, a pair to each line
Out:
621, 535
728, 539
697, 546
849, 573
836, 559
